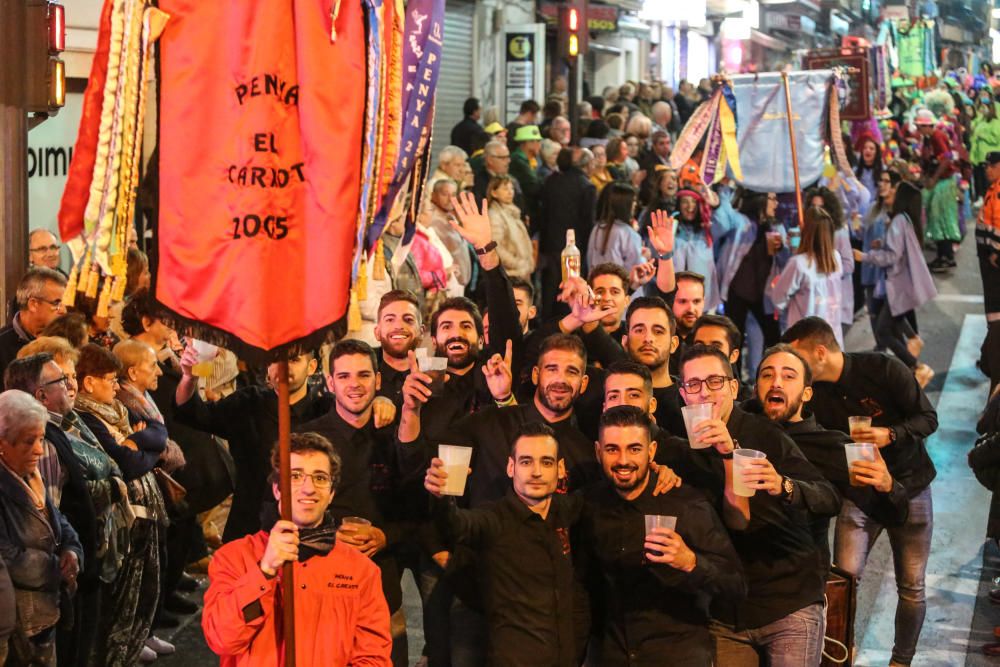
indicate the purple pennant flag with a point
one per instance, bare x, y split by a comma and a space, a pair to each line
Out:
422, 38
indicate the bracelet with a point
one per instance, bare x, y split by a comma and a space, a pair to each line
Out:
665, 256
486, 248
502, 403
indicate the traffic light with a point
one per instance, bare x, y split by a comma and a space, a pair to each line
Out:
572, 31
45, 39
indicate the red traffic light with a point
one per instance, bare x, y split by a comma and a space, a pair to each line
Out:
573, 19
57, 27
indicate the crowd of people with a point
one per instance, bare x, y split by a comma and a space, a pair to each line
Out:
568, 307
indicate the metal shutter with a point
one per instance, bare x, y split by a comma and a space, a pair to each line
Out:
455, 76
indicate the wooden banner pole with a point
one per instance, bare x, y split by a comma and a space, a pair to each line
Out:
285, 488
791, 137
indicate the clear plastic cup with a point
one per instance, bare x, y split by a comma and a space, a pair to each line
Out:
206, 358
456, 464
742, 459
858, 451
693, 416
656, 522
437, 369
354, 524
859, 423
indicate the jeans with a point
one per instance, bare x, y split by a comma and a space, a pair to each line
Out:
893, 332
793, 641
911, 546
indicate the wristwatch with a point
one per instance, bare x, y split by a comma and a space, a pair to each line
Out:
892, 434
787, 488
486, 248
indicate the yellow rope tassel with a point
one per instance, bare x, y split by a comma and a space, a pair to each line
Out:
362, 283
378, 271
69, 294
93, 282
105, 300
118, 293
354, 313
81, 286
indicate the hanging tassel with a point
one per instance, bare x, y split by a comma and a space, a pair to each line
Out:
378, 271
105, 300
93, 282
362, 282
334, 13
69, 294
118, 293
354, 313
81, 286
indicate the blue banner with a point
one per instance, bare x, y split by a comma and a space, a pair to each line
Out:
422, 38
762, 133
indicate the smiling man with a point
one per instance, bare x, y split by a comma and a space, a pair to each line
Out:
649, 340
398, 329
242, 620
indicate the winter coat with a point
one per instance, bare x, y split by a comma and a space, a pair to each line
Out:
513, 242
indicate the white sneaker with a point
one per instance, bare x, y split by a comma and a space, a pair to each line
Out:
147, 655
160, 646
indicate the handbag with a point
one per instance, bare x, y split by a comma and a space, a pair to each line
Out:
172, 490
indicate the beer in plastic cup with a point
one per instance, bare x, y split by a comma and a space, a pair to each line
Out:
741, 461
456, 464
856, 424
773, 241
354, 524
858, 451
436, 368
206, 358
693, 416
655, 521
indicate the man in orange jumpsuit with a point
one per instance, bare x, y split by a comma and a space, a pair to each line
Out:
341, 617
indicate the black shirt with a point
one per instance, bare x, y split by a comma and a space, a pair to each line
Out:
392, 381
785, 567
526, 576
875, 384
652, 610
248, 420
668, 409
751, 276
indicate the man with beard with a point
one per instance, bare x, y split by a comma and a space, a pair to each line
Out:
248, 420
522, 542
372, 473
783, 615
650, 339
655, 587
718, 331
398, 329
784, 386
687, 307
846, 384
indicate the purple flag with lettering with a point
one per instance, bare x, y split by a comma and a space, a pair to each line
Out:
423, 31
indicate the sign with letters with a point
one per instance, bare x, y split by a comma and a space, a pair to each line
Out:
523, 66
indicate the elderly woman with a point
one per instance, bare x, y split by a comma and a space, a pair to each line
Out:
137, 448
40, 548
549, 152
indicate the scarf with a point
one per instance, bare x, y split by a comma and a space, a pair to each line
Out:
703, 209
114, 415
33, 485
139, 402
317, 541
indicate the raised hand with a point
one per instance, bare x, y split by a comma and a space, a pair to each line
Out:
473, 224
499, 378
641, 274
384, 411
661, 232
416, 387
571, 287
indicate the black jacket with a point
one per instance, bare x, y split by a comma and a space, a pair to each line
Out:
567, 201
785, 568
652, 611
248, 420
873, 383
463, 134
11, 343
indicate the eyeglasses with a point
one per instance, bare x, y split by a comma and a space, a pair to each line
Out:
46, 248
55, 303
61, 380
111, 380
500, 157
319, 479
713, 382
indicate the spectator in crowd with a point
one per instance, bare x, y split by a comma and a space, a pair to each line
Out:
43, 250
527, 114
600, 175
940, 190
559, 131
440, 211
241, 618
664, 198
694, 246
39, 301
524, 162
663, 118
452, 163
614, 239
549, 153
467, 129
552, 109
37, 543
497, 163
509, 232
71, 326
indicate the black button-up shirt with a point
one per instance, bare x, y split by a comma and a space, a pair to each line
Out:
654, 614
525, 574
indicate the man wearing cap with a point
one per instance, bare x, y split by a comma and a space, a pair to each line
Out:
493, 131
988, 249
940, 191
524, 165
527, 115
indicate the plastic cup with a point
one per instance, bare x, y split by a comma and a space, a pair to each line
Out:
742, 459
858, 451
456, 464
794, 237
436, 368
693, 416
354, 524
206, 358
661, 522
773, 241
856, 424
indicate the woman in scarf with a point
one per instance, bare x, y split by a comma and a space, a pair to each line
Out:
137, 448
37, 543
693, 243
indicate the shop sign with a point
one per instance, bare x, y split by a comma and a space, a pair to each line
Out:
600, 18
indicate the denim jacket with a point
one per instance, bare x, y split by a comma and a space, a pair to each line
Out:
31, 543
